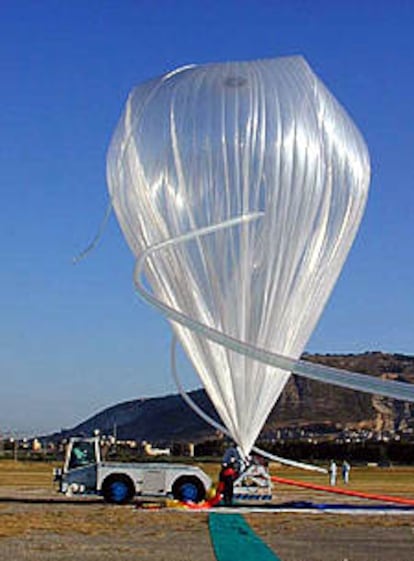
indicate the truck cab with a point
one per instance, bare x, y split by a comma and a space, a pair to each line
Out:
84, 472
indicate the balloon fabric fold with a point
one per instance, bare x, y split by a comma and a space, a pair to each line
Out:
209, 144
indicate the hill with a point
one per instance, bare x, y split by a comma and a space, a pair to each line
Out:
303, 404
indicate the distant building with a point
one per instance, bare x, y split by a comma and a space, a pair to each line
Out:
36, 445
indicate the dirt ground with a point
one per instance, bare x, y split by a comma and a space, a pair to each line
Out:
337, 537
92, 532
36, 524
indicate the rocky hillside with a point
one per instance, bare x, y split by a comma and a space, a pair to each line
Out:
304, 403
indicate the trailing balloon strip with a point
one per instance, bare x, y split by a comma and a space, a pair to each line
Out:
340, 491
342, 378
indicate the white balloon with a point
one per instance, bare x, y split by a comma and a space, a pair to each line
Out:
208, 144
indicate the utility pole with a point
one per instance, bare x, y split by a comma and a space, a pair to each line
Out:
15, 449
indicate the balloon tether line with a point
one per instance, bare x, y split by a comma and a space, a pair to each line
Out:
342, 378
96, 239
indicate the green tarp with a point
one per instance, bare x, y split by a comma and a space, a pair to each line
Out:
233, 539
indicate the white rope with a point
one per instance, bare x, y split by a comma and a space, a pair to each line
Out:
342, 378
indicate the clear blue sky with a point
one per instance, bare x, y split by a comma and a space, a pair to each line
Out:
75, 339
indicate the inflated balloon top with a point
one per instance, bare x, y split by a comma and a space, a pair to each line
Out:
263, 149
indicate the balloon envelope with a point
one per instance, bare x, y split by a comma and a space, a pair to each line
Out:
205, 144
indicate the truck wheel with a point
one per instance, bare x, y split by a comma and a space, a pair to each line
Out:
188, 489
118, 489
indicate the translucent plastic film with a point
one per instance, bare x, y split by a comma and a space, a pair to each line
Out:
211, 144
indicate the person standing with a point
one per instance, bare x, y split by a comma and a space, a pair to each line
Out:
228, 474
332, 473
346, 468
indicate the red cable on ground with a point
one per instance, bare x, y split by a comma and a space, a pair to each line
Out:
339, 491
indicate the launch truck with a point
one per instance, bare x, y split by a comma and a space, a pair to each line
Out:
84, 472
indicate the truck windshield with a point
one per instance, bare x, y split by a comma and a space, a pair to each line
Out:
83, 453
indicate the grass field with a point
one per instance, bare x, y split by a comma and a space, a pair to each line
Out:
33, 528
38, 476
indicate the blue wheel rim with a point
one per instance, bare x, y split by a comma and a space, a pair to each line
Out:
189, 492
119, 491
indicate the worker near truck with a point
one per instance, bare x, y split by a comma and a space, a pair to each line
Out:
228, 474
